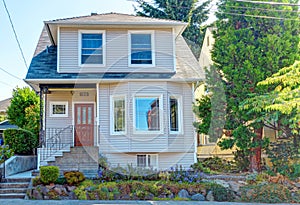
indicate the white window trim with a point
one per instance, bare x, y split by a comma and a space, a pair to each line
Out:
180, 126
59, 103
152, 47
112, 100
80, 32
135, 131
147, 166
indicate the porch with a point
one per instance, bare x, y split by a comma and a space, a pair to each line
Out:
68, 121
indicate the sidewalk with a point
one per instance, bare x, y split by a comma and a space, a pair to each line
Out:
82, 202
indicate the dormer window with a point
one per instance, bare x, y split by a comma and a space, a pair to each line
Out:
91, 48
141, 48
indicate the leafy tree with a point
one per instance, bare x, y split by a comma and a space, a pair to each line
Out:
23, 112
281, 105
2, 118
251, 45
187, 11
23, 103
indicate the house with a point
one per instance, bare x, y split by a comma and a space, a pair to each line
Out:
117, 85
5, 123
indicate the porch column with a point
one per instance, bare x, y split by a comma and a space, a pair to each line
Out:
41, 132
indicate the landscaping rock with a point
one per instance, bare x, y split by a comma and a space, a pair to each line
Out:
198, 197
149, 196
72, 196
234, 186
125, 197
183, 194
297, 185
37, 195
171, 196
222, 183
210, 196
58, 190
44, 190
71, 188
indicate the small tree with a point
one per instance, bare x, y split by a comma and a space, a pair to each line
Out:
23, 112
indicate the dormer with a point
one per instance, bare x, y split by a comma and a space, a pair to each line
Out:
114, 43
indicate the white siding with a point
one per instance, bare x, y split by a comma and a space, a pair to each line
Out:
116, 52
165, 160
140, 142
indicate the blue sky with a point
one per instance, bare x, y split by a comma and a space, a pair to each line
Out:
28, 17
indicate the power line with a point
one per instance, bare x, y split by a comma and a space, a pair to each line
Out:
268, 2
263, 9
257, 16
10, 74
4, 83
16, 37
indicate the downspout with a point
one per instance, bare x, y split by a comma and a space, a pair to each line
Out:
195, 136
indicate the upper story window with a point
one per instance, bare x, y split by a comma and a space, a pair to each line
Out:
91, 47
141, 48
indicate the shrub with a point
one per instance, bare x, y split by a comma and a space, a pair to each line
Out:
36, 181
5, 153
21, 141
221, 193
49, 174
74, 177
266, 193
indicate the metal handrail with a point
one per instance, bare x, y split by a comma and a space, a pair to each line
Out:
55, 143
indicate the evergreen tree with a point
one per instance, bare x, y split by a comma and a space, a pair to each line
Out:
186, 11
253, 41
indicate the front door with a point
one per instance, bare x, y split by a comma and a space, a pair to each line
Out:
84, 124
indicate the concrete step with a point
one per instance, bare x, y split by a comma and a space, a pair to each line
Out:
12, 196
13, 185
15, 180
13, 190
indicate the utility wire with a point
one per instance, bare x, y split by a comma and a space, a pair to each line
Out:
4, 83
268, 2
262, 9
12, 75
15, 33
257, 16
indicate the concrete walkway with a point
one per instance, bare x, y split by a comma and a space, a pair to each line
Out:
81, 202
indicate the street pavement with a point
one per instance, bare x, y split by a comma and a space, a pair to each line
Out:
95, 202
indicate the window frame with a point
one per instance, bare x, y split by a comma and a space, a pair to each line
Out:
160, 131
59, 103
80, 32
147, 165
112, 119
179, 101
152, 33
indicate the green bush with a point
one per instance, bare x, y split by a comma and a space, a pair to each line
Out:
49, 174
266, 193
5, 153
74, 177
221, 193
21, 141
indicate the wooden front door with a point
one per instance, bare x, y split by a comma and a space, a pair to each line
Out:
84, 124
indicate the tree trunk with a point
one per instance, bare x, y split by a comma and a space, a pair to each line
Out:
255, 158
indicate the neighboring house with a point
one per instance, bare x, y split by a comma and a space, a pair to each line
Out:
4, 124
4, 105
117, 85
205, 147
